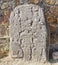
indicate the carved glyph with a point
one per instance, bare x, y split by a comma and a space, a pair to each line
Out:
28, 33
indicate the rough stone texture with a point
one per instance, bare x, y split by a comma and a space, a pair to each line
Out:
55, 55
50, 18
8, 61
28, 33
50, 8
2, 30
54, 10
29, 1
50, 1
3, 47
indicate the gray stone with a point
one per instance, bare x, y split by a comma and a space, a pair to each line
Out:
55, 55
24, 1
28, 33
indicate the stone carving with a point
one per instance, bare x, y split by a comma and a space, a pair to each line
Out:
28, 33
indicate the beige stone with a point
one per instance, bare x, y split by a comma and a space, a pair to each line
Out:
50, 17
4, 5
51, 2
54, 10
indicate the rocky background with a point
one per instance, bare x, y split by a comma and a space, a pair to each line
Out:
50, 8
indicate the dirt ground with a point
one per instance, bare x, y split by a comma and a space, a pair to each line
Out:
10, 61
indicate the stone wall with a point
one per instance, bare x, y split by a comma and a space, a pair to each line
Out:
50, 9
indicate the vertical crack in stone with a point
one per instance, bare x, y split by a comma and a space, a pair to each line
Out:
30, 53
31, 23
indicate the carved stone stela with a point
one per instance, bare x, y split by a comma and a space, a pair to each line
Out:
28, 33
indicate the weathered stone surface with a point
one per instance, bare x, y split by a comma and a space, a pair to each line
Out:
53, 28
54, 10
27, 1
55, 55
4, 47
17, 2
51, 2
28, 33
2, 30
50, 6
50, 18
1, 16
56, 2
4, 5
24, 1
7, 13
57, 20
36, 1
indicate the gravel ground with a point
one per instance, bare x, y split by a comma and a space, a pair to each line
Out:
10, 61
